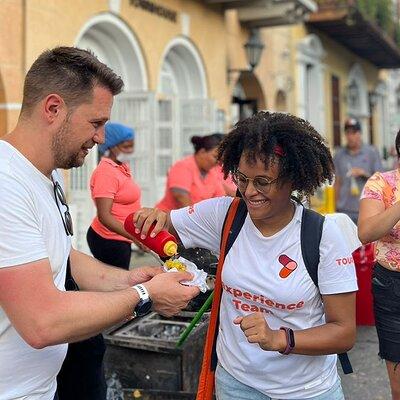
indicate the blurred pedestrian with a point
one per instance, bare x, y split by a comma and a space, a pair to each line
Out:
379, 222
279, 329
227, 183
354, 164
194, 178
116, 195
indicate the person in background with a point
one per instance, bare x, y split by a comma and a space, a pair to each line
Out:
227, 183
283, 345
194, 178
354, 164
116, 195
379, 222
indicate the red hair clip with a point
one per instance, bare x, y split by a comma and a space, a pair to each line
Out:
279, 151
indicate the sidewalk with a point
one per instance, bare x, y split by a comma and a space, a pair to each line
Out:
368, 381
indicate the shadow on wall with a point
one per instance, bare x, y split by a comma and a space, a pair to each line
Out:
252, 89
3, 111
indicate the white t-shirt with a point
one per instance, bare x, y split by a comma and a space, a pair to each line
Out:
31, 229
252, 282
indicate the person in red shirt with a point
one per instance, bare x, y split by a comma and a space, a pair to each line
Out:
116, 195
227, 183
194, 178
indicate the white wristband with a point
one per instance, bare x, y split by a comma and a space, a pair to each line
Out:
142, 292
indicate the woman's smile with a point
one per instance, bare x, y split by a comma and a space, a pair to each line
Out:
256, 203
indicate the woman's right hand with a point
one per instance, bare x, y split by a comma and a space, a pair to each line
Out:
144, 218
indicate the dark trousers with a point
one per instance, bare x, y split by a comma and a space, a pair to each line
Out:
82, 373
112, 252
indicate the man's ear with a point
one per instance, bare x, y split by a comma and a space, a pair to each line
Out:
54, 108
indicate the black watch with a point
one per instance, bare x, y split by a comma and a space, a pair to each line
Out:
144, 306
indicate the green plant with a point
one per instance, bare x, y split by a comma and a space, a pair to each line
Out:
380, 12
369, 8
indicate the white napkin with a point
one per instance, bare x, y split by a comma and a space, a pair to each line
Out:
199, 276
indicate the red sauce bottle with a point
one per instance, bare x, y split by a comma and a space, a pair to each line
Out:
164, 244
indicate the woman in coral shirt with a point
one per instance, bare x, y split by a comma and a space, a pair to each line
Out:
116, 195
194, 178
379, 220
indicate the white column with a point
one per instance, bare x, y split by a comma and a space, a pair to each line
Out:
301, 101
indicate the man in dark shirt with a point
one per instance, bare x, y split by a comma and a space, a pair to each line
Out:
354, 164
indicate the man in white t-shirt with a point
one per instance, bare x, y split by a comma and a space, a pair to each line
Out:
67, 100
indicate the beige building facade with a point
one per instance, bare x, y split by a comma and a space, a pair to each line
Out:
183, 63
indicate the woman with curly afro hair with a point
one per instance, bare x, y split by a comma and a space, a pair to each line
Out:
279, 332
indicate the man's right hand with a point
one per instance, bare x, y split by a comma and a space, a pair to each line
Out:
169, 296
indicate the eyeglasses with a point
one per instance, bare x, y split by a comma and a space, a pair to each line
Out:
261, 184
60, 198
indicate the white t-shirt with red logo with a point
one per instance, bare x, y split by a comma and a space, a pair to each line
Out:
268, 274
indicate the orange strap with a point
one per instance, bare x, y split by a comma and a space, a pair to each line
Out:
205, 389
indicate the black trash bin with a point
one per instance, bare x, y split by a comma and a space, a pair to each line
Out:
142, 356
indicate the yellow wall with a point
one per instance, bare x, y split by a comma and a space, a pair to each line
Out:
52, 23
11, 69
274, 68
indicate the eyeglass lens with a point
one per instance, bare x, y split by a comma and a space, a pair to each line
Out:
260, 184
60, 197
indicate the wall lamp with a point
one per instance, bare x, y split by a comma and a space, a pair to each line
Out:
253, 48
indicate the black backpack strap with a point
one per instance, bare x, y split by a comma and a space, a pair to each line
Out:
345, 363
238, 222
310, 238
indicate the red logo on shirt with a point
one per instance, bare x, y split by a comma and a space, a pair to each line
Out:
344, 261
191, 210
289, 265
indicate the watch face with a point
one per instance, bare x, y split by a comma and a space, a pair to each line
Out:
143, 307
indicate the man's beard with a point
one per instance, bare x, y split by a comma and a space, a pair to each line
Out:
62, 157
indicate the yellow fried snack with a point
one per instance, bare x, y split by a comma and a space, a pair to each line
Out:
175, 264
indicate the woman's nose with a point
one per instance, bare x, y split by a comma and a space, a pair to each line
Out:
250, 189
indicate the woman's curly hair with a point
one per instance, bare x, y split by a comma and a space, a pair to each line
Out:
306, 161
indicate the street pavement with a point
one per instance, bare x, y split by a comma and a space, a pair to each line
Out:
368, 381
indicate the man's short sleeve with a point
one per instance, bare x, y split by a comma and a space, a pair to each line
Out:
336, 271
20, 228
377, 162
338, 161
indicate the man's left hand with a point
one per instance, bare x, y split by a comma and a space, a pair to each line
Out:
143, 274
